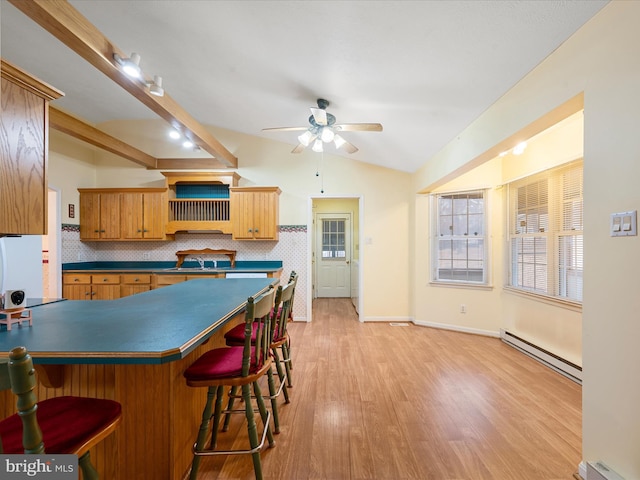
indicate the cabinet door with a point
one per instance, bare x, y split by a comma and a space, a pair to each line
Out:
76, 292
23, 186
154, 219
89, 216
132, 215
110, 215
105, 292
265, 212
99, 216
241, 205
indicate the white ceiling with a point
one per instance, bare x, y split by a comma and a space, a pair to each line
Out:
424, 69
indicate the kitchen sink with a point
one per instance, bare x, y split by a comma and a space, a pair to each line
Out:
191, 269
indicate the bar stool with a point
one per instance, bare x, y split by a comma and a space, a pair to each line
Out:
64, 425
241, 366
279, 337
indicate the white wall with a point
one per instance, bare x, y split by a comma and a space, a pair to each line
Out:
602, 60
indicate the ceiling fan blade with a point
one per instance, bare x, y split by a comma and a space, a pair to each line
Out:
299, 148
358, 127
319, 115
347, 147
285, 129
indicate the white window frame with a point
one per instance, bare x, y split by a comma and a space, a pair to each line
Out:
548, 225
459, 237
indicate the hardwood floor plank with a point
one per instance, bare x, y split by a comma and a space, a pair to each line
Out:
373, 401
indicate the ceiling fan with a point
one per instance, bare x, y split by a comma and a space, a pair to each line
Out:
324, 129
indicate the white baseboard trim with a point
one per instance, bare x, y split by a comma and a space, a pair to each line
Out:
582, 469
387, 319
457, 328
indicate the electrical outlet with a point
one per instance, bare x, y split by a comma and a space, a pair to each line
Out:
146, 256
82, 257
463, 308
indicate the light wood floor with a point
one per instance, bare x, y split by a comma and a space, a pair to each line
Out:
374, 401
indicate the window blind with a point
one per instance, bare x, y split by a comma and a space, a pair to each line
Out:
545, 232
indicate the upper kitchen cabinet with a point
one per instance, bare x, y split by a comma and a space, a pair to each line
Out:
122, 213
254, 213
24, 145
143, 214
99, 214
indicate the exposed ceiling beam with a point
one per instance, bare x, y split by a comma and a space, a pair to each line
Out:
65, 123
69, 26
187, 163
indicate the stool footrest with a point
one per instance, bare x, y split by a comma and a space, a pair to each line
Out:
211, 452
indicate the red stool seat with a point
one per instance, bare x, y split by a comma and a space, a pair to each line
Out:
67, 423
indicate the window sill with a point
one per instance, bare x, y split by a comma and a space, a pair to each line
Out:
475, 286
555, 301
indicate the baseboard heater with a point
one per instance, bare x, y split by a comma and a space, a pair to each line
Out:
560, 365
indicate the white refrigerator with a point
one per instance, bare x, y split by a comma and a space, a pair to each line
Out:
21, 265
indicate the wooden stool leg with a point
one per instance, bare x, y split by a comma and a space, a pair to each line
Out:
252, 430
274, 401
281, 375
263, 413
88, 471
202, 433
288, 365
232, 397
216, 417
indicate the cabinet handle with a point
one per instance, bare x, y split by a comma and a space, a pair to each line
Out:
96, 231
105, 279
76, 279
139, 231
256, 230
93, 293
135, 280
250, 230
86, 294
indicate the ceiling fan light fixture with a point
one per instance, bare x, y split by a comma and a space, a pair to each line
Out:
306, 138
327, 134
317, 146
338, 141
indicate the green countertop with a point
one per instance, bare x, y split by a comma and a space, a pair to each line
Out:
153, 327
242, 266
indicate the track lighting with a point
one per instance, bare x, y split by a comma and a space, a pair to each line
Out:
155, 87
130, 66
519, 148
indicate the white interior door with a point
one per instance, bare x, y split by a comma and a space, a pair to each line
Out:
333, 255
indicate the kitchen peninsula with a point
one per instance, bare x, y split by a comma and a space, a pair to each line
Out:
134, 350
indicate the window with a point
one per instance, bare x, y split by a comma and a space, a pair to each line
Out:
333, 239
460, 247
545, 233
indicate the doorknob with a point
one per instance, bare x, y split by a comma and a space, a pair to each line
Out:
347, 262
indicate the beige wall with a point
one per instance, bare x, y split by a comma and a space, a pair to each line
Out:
601, 60
385, 196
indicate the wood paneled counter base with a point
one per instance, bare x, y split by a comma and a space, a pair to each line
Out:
134, 350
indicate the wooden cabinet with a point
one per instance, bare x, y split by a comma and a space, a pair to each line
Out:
164, 280
24, 123
132, 283
85, 286
254, 213
122, 214
99, 215
143, 214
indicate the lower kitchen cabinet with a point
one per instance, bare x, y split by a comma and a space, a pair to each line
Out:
84, 286
132, 283
159, 281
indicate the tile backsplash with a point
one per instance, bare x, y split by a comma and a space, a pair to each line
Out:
291, 249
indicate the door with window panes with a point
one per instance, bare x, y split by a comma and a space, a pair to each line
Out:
333, 255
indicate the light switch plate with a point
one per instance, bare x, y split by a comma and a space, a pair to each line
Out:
624, 224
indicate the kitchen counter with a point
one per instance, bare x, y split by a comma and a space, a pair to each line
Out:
135, 350
157, 326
